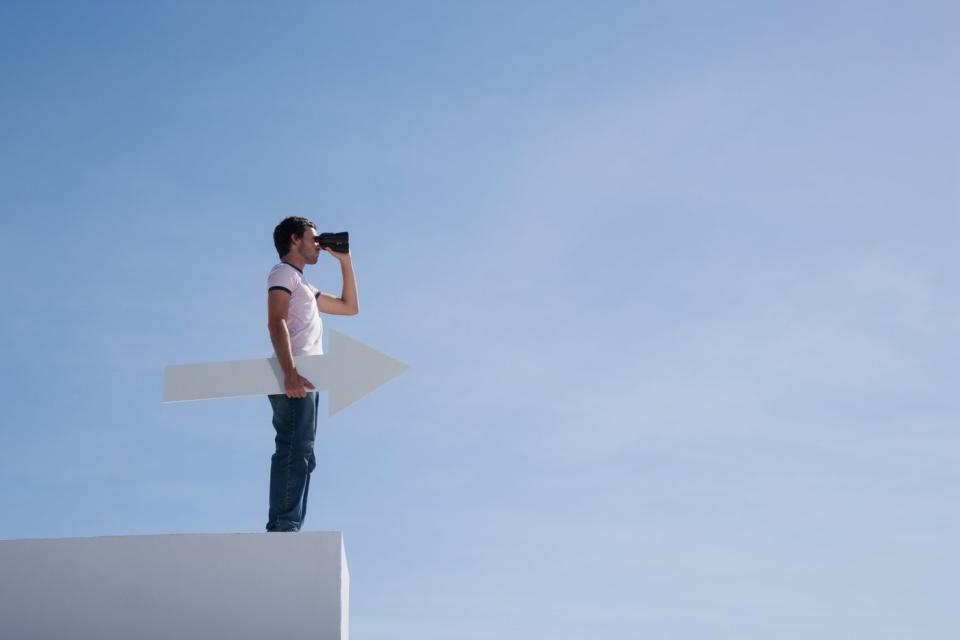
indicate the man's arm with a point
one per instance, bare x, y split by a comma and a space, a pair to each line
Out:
348, 303
278, 304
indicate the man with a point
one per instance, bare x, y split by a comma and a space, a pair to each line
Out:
293, 310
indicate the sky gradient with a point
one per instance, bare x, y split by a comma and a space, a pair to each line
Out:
677, 284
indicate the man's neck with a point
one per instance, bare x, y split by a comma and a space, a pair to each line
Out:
294, 260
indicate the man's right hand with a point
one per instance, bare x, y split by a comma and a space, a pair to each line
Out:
296, 386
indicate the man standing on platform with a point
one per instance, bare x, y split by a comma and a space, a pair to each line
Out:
293, 310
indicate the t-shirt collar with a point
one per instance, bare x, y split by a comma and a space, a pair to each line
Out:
290, 265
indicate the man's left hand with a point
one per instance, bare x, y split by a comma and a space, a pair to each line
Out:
336, 254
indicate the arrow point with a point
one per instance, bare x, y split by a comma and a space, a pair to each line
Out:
357, 370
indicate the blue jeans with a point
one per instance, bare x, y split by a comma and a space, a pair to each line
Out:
295, 421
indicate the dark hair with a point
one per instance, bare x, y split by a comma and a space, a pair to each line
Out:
292, 226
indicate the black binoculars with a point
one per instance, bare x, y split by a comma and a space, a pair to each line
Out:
339, 242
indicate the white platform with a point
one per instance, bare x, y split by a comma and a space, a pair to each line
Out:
238, 586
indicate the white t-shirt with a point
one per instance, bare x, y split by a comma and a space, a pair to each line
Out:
303, 318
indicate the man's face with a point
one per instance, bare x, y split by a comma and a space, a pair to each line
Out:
307, 246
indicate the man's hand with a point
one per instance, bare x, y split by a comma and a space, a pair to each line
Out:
296, 385
336, 254
347, 304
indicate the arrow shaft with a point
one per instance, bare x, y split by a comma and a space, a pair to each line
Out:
236, 378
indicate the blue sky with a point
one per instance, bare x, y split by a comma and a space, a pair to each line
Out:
676, 283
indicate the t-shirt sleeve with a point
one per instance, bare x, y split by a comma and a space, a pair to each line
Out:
313, 290
284, 279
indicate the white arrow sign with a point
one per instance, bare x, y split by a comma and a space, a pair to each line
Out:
349, 371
